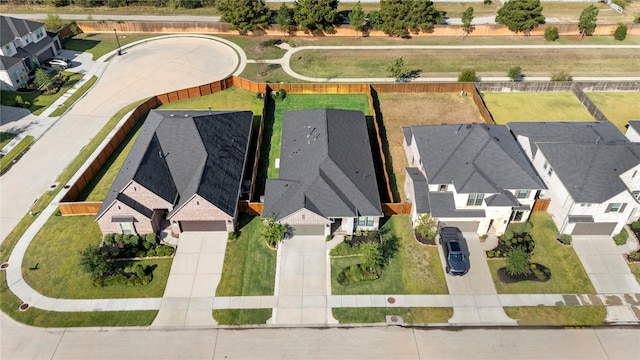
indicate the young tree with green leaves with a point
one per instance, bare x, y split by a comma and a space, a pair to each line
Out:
588, 19
244, 15
372, 259
284, 19
467, 18
467, 75
357, 18
521, 15
427, 226
95, 261
272, 232
42, 79
515, 73
551, 33
517, 261
621, 32
397, 69
316, 15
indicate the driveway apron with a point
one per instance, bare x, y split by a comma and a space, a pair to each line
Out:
195, 274
301, 285
474, 297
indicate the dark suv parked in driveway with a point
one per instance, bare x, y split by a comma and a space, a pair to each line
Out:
454, 252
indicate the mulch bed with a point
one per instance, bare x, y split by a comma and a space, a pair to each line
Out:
541, 273
357, 240
423, 239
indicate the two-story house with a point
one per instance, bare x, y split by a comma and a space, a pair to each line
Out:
591, 170
184, 173
24, 44
327, 179
472, 176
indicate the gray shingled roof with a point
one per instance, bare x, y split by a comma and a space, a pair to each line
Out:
7, 62
635, 124
10, 28
420, 190
326, 166
590, 172
588, 132
476, 158
443, 206
182, 153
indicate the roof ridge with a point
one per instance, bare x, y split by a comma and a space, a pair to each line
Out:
452, 152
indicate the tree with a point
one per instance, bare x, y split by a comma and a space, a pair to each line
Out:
42, 79
372, 258
621, 32
588, 19
515, 73
94, 261
284, 19
394, 14
423, 15
551, 33
467, 75
521, 15
375, 21
53, 23
467, 18
517, 261
397, 69
316, 15
244, 15
357, 18
272, 232
427, 226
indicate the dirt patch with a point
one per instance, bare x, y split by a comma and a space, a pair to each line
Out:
613, 300
632, 299
423, 239
400, 110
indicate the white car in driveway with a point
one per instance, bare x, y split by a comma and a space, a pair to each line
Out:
57, 63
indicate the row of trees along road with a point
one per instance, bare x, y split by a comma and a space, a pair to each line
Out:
396, 17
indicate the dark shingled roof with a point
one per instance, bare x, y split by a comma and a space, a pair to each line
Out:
179, 154
326, 166
588, 132
7, 62
420, 190
590, 172
476, 158
635, 124
10, 28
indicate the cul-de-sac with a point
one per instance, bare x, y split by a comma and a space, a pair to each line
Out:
320, 179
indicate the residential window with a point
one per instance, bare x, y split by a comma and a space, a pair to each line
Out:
546, 164
522, 194
365, 221
442, 188
550, 172
126, 228
517, 216
636, 194
616, 207
585, 204
475, 199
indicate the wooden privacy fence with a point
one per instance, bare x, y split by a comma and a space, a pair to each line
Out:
396, 209
541, 204
212, 27
251, 208
591, 107
79, 208
557, 86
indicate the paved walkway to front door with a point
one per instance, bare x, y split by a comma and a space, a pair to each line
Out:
194, 277
301, 285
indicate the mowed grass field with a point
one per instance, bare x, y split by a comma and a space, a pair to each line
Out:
400, 110
449, 62
618, 107
549, 106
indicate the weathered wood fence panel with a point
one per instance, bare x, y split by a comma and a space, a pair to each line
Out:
541, 204
396, 209
79, 208
251, 208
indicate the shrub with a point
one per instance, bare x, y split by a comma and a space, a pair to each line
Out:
561, 76
272, 232
518, 261
95, 261
118, 238
18, 101
635, 225
131, 240
26, 105
329, 237
232, 235
636, 20
621, 3
353, 274
467, 75
551, 33
634, 256
344, 249
498, 253
621, 32
491, 253
164, 250
508, 235
565, 239
151, 253
622, 237
109, 239
427, 226
515, 73
151, 238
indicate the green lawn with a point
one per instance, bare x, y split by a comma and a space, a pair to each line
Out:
98, 44
5, 138
249, 264
6, 160
99, 186
55, 253
415, 269
557, 315
618, 107
256, 47
567, 274
233, 98
38, 101
74, 97
414, 315
548, 106
635, 269
268, 73
301, 102
242, 316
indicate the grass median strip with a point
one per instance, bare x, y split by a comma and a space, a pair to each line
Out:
242, 316
411, 315
557, 315
14, 153
74, 97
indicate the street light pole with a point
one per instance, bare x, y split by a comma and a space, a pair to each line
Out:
119, 51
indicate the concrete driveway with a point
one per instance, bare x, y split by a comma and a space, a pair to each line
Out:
607, 269
14, 119
473, 295
81, 62
194, 277
146, 69
301, 281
